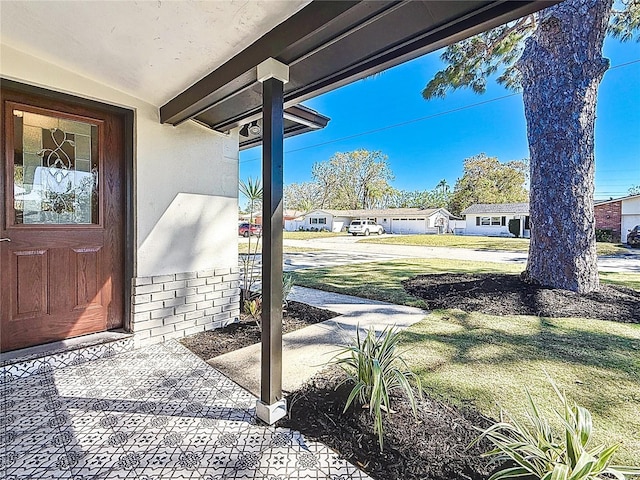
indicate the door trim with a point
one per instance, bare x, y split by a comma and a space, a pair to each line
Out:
128, 118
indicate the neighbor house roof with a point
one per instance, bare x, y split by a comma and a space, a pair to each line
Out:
619, 199
477, 208
389, 212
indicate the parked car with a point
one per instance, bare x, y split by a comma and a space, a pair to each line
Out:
365, 227
633, 239
246, 229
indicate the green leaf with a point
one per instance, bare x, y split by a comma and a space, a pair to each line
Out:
560, 472
513, 472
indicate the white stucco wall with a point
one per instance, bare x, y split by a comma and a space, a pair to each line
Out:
339, 223
307, 225
186, 177
631, 206
488, 230
630, 216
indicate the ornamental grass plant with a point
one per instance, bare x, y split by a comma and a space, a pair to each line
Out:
377, 368
532, 449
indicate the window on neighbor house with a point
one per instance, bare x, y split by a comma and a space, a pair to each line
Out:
485, 221
322, 220
318, 221
495, 221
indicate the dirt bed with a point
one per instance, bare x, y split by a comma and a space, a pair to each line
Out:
502, 294
247, 332
432, 447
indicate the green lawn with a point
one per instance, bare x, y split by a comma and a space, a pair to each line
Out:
478, 243
381, 280
310, 235
489, 361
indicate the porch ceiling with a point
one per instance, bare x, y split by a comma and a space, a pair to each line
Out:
328, 44
151, 50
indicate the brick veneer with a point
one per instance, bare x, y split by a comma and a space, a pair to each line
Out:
609, 217
172, 306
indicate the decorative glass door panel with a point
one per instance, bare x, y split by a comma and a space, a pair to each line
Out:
55, 170
62, 220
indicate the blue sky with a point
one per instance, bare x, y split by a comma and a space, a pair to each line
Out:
423, 151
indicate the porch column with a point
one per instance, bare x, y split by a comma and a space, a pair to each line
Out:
273, 75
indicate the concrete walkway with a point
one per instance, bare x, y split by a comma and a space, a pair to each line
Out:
306, 351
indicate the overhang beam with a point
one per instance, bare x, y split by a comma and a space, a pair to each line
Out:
332, 43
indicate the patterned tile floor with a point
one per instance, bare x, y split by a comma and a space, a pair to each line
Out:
156, 413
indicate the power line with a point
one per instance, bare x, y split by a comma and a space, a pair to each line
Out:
396, 125
415, 120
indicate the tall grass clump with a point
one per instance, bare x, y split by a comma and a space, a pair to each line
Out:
534, 450
377, 368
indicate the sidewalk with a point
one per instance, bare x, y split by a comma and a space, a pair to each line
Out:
306, 351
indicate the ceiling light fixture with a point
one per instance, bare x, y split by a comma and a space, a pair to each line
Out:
254, 128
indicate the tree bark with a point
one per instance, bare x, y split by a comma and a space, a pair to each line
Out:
561, 68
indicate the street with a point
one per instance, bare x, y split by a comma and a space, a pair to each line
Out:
344, 250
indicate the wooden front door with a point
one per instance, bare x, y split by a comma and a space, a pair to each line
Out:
62, 220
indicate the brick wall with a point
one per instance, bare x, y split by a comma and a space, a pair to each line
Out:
173, 306
609, 217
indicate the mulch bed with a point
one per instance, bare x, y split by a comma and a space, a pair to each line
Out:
435, 446
247, 332
432, 447
503, 294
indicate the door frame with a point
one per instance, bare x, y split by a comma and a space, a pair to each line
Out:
128, 118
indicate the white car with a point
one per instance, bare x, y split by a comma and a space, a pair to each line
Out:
365, 227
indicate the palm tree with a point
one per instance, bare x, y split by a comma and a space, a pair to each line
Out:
252, 190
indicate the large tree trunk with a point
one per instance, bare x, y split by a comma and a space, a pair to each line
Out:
561, 67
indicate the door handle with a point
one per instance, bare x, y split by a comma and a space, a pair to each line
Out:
5, 239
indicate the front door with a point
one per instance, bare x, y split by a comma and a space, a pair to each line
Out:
62, 220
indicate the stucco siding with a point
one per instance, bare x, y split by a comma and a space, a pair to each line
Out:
185, 177
631, 206
489, 230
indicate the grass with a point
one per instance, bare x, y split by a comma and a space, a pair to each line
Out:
479, 243
488, 361
310, 235
382, 280
472, 359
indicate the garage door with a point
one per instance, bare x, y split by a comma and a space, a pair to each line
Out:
628, 222
408, 225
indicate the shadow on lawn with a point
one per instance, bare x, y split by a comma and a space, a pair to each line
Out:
551, 342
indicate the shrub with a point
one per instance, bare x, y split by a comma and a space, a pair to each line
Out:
373, 364
534, 451
252, 300
604, 235
514, 227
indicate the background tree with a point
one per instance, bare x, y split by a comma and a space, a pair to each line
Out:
559, 68
304, 196
357, 179
352, 180
635, 190
486, 180
439, 197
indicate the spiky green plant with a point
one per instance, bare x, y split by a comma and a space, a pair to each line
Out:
374, 364
535, 451
287, 286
